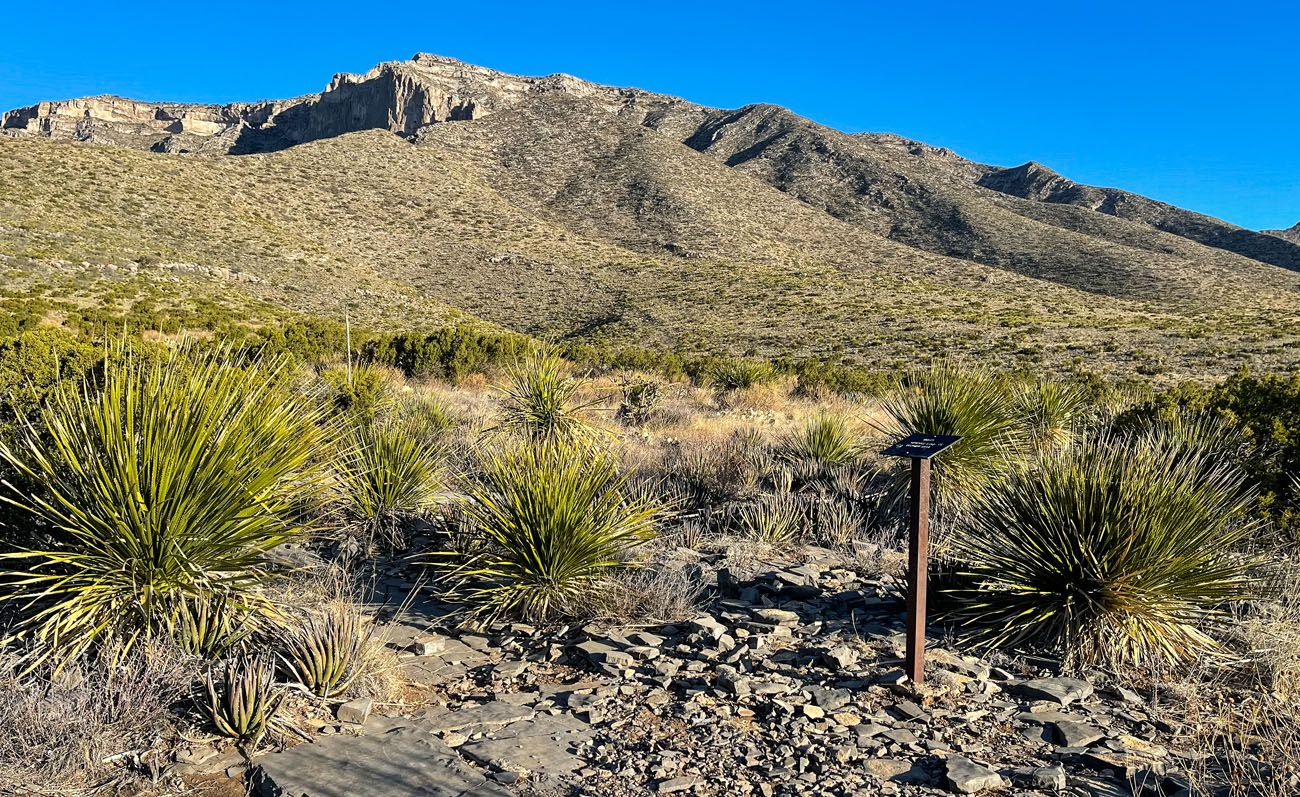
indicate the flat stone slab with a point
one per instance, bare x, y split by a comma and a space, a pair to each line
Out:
475, 719
544, 745
394, 758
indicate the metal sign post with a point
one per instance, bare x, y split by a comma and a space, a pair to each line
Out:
920, 448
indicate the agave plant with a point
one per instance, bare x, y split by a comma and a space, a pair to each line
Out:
387, 474
244, 704
326, 651
552, 520
971, 404
1108, 551
209, 627
539, 400
170, 478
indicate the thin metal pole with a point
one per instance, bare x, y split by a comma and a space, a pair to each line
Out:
918, 543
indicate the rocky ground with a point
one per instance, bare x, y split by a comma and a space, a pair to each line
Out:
786, 683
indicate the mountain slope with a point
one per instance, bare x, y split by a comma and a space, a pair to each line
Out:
559, 207
1291, 234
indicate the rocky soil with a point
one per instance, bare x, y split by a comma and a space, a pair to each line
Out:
787, 683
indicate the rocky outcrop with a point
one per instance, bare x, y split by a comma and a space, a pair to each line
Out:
399, 96
1291, 234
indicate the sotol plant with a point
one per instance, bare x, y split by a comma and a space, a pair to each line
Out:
172, 478
1115, 550
971, 404
551, 521
387, 473
539, 400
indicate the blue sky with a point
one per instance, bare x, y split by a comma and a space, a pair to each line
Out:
1194, 103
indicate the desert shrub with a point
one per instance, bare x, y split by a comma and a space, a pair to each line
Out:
970, 403
641, 400
539, 400
816, 379
550, 521
36, 363
836, 523
61, 728
362, 389
243, 704
1108, 551
712, 472
173, 478
451, 353
326, 651
387, 475
1266, 411
779, 520
423, 417
654, 594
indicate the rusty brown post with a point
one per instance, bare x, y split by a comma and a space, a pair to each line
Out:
918, 543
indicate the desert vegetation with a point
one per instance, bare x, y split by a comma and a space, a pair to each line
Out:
189, 525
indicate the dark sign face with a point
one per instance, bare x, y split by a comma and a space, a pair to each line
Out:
920, 446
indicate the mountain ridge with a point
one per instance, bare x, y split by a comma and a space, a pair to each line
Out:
565, 208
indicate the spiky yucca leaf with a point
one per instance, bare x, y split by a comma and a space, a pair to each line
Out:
825, 440
552, 519
325, 651
969, 403
1055, 412
387, 473
173, 477
732, 375
245, 703
1109, 551
539, 400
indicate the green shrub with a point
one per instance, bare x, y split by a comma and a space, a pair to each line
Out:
34, 364
972, 404
363, 389
451, 353
550, 521
1115, 550
539, 400
172, 479
1265, 409
244, 704
387, 475
641, 400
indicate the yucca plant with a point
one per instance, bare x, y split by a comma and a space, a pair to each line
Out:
969, 403
778, 520
170, 478
325, 651
244, 704
1055, 412
826, 440
539, 400
387, 474
1108, 551
210, 627
362, 389
552, 519
732, 375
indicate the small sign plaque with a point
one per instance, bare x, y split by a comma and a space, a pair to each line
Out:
921, 446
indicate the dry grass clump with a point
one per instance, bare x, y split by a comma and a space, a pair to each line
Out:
656, 593
63, 730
